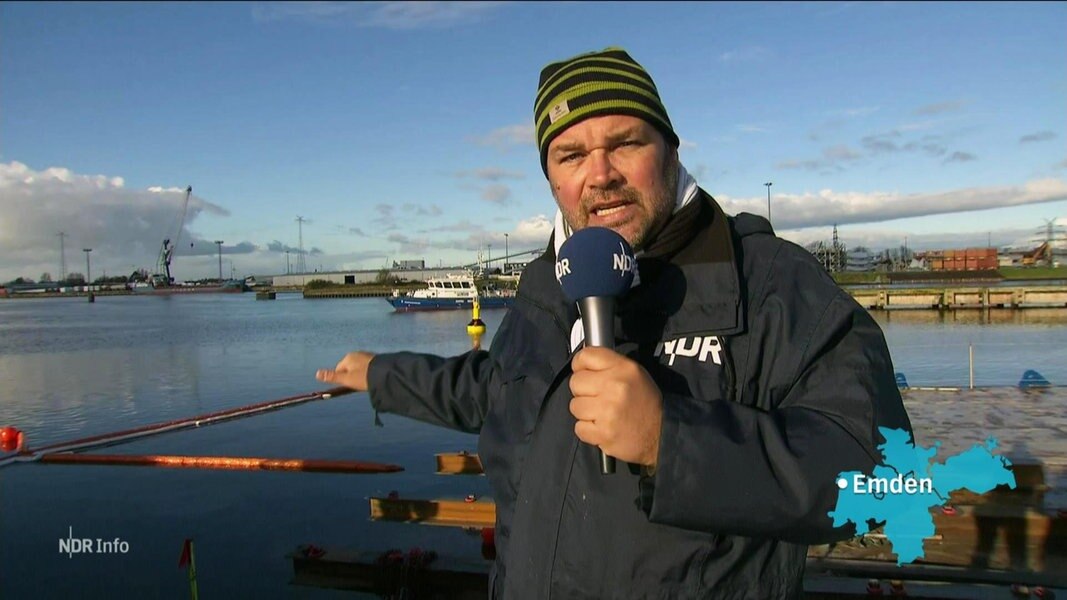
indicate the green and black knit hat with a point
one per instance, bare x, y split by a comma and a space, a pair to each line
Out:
607, 82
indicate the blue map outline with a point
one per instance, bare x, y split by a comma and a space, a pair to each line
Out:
907, 517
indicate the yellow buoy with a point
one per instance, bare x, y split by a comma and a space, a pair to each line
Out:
476, 328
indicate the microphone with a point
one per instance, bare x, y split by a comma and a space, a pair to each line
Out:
594, 266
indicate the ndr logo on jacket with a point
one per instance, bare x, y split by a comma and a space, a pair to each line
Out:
700, 347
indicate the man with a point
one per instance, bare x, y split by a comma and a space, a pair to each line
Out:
743, 380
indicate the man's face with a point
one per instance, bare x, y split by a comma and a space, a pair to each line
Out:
614, 171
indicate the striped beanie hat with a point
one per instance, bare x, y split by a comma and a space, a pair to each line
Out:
607, 82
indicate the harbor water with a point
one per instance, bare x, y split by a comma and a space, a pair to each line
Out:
70, 369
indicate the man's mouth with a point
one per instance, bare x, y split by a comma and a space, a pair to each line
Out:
607, 210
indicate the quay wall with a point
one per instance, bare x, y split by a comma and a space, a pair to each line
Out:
954, 297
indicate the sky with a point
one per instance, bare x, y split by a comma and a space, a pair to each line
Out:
404, 131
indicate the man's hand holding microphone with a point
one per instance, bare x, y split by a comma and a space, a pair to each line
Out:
617, 405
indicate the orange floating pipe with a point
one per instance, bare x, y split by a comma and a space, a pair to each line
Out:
222, 462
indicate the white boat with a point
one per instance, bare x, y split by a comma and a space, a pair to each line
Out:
451, 291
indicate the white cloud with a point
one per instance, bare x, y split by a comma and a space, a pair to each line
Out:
492, 174
960, 157
503, 138
1040, 136
534, 230
386, 15
880, 239
834, 158
497, 193
471, 238
918, 125
354, 261
124, 227
827, 207
842, 152
423, 211
851, 113
941, 108
745, 55
831, 159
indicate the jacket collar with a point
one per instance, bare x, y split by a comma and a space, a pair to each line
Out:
696, 290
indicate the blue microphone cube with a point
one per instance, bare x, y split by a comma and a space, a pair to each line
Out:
595, 262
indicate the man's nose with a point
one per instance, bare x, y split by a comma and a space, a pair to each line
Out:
602, 170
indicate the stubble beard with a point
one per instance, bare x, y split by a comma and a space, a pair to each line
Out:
655, 210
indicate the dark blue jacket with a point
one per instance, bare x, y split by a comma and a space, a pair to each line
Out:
774, 381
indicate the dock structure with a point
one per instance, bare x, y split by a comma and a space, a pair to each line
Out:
358, 291
1005, 537
957, 297
346, 292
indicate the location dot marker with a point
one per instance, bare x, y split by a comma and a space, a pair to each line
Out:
842, 483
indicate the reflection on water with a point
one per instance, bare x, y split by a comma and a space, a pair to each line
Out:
936, 347
119, 386
70, 369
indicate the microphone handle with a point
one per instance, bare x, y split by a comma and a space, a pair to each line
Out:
598, 321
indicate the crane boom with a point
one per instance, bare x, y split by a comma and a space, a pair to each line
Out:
166, 253
181, 219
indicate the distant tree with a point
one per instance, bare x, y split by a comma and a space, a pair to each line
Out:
76, 279
138, 276
318, 284
46, 277
383, 276
20, 280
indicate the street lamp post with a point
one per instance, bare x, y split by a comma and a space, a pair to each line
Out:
489, 263
505, 252
287, 262
88, 275
219, 244
769, 184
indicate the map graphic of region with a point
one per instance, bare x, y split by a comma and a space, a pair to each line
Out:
902, 490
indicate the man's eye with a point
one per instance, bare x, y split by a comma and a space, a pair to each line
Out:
569, 157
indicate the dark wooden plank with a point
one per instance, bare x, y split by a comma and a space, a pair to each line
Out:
459, 463
452, 513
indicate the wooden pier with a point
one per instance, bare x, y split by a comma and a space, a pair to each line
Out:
1005, 538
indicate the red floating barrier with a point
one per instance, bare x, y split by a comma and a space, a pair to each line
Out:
10, 438
223, 462
126, 435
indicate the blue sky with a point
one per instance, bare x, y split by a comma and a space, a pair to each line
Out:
404, 131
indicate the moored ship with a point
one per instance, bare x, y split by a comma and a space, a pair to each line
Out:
450, 292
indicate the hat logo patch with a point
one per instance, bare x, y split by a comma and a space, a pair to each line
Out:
558, 112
